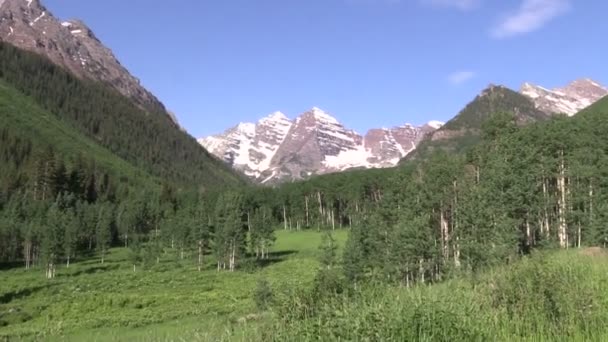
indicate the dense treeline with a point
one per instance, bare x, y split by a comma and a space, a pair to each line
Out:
66, 212
519, 189
147, 140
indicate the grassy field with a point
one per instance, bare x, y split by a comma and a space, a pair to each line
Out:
549, 296
94, 302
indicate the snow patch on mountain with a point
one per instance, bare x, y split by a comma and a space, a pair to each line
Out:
348, 159
568, 100
277, 148
436, 124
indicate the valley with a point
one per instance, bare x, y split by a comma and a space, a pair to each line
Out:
117, 224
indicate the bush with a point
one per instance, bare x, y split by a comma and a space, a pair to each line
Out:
263, 295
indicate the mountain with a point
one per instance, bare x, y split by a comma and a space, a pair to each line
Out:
250, 147
28, 25
568, 100
276, 148
463, 130
149, 142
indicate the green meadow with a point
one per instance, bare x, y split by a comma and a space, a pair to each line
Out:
91, 301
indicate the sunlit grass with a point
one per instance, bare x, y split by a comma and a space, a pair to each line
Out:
105, 302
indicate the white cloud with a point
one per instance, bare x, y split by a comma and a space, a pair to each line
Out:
531, 16
463, 5
460, 77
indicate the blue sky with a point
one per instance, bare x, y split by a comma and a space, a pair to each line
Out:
370, 63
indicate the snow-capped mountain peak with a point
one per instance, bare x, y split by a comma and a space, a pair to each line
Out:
435, 124
277, 148
246, 128
323, 116
276, 116
567, 100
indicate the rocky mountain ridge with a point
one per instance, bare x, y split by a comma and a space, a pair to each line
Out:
277, 148
28, 25
568, 100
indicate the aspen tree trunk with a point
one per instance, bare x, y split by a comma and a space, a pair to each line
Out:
456, 244
306, 206
445, 234
578, 242
457, 252
284, 217
200, 256
320, 203
590, 202
528, 233
562, 205
232, 255
545, 223
103, 253
421, 270
28, 254
333, 222
126, 239
248, 222
67, 263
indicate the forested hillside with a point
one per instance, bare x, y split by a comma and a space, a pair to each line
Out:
150, 141
519, 189
463, 131
78, 159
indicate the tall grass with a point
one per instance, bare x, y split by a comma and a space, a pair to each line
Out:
554, 296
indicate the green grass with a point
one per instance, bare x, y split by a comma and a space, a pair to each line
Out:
551, 296
95, 302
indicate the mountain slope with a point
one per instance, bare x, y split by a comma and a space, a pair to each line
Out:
145, 140
27, 24
463, 130
27, 130
277, 149
568, 100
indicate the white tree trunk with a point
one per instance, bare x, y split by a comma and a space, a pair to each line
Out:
445, 234
562, 230
284, 217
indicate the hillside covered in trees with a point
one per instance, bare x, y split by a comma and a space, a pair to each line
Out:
149, 141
